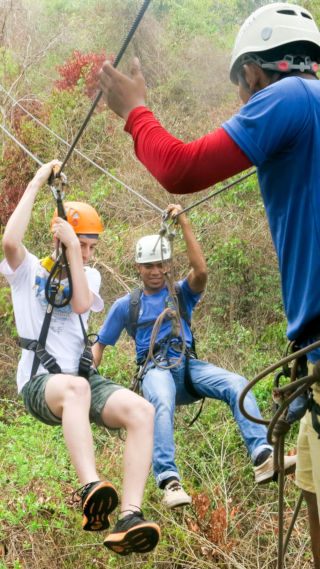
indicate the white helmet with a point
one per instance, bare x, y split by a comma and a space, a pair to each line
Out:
152, 249
272, 26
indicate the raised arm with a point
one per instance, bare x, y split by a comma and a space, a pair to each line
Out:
82, 297
180, 167
197, 277
16, 227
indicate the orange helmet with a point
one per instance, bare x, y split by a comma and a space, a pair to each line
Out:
83, 218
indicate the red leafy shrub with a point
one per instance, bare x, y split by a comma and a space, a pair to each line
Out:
18, 168
81, 66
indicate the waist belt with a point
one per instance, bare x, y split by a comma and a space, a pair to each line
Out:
43, 357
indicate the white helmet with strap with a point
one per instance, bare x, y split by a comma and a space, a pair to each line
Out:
153, 249
272, 26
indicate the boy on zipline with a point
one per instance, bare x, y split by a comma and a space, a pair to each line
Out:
177, 379
65, 397
274, 63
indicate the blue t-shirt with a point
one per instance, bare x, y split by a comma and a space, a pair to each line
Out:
279, 131
150, 308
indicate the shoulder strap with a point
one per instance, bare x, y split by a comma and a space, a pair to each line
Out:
134, 308
182, 307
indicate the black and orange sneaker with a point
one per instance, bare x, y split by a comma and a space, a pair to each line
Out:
133, 534
98, 500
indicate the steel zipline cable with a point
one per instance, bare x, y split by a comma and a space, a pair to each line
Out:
115, 64
21, 145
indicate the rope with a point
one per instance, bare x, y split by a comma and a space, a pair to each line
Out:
278, 427
148, 202
158, 323
115, 64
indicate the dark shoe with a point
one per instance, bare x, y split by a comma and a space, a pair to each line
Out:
98, 500
133, 534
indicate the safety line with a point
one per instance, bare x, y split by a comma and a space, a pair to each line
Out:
21, 146
215, 193
115, 64
81, 154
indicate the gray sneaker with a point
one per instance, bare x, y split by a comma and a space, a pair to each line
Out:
265, 472
174, 495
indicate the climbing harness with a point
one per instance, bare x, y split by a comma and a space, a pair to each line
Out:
57, 269
281, 422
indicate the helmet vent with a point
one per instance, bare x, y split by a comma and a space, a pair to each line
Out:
306, 15
287, 12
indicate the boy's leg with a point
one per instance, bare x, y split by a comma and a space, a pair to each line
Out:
65, 399
132, 532
69, 398
217, 383
159, 387
127, 409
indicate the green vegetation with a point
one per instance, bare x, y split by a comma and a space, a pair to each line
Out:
239, 324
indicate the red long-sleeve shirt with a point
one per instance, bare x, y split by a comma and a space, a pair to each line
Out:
183, 168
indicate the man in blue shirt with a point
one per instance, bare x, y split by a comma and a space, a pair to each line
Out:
274, 64
165, 378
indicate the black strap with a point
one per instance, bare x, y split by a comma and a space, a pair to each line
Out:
134, 308
315, 412
41, 356
86, 358
44, 330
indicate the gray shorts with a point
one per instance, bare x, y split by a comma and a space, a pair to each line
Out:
35, 403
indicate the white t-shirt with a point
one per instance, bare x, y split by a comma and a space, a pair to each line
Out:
65, 338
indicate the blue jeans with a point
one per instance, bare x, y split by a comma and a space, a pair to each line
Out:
165, 389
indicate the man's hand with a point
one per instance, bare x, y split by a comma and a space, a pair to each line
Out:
122, 92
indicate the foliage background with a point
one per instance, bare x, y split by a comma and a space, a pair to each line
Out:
49, 51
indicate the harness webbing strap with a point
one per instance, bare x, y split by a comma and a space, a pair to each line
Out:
86, 358
41, 342
41, 355
314, 408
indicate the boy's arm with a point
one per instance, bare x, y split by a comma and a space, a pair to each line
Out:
82, 297
197, 277
112, 327
16, 227
97, 351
